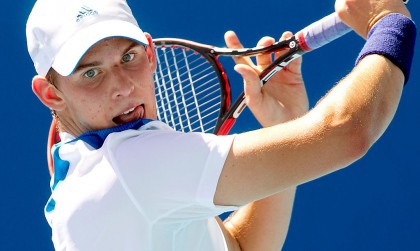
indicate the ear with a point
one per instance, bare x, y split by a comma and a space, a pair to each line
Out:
150, 52
47, 93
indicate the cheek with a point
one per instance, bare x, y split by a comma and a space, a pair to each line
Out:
90, 106
144, 79
149, 80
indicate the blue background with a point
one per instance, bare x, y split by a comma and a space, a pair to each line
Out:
372, 205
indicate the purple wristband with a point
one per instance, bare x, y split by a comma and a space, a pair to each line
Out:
394, 37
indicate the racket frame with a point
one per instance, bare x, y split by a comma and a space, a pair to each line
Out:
227, 113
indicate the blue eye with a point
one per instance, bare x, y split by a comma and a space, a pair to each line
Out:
127, 57
91, 73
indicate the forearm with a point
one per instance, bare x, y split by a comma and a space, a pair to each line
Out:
367, 99
263, 225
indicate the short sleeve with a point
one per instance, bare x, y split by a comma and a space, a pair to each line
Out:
171, 174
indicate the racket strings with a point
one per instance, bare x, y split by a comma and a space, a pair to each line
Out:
178, 91
194, 119
175, 101
204, 94
187, 90
185, 71
183, 115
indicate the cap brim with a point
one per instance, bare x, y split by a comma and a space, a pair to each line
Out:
70, 54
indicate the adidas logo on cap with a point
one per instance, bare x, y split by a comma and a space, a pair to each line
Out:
84, 12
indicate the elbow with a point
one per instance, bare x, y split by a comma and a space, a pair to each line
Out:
352, 133
358, 142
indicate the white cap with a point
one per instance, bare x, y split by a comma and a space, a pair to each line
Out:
60, 32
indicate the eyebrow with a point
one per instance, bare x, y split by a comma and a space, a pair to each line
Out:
81, 67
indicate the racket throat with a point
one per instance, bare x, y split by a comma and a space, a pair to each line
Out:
278, 65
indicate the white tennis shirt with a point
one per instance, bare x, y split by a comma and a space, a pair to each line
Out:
147, 188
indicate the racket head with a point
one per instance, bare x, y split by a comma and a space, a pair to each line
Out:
192, 88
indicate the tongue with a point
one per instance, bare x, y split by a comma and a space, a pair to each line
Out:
136, 114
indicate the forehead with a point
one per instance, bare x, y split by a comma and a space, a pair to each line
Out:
111, 45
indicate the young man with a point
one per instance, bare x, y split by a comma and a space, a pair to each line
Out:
124, 181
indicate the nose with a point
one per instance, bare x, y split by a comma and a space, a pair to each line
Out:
123, 85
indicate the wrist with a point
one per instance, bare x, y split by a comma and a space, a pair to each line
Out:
394, 38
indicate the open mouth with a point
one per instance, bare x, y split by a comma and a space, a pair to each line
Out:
130, 115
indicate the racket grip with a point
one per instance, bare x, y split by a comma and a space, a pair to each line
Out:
321, 32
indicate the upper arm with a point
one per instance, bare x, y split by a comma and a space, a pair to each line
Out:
269, 160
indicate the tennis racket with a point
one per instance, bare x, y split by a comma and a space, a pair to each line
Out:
193, 90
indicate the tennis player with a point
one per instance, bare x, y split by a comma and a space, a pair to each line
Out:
124, 181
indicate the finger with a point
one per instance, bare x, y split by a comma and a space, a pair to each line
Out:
284, 36
264, 60
232, 41
295, 65
252, 86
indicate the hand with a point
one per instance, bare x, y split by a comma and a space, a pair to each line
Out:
362, 15
283, 97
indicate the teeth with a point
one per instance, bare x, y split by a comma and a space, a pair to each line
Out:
127, 112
